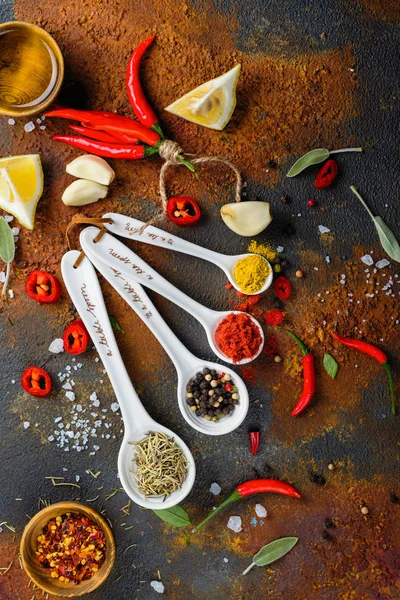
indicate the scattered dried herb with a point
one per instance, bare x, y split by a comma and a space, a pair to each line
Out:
314, 157
272, 552
330, 365
176, 516
386, 236
115, 325
7, 249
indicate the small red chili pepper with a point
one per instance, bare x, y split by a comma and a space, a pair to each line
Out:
43, 287
94, 134
375, 353
76, 337
183, 211
126, 128
311, 203
36, 382
255, 438
255, 486
274, 317
326, 174
308, 377
282, 288
106, 149
141, 107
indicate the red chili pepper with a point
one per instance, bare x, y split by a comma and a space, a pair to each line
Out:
255, 486
43, 287
183, 211
308, 377
282, 288
127, 152
36, 382
141, 107
274, 317
76, 337
326, 174
255, 438
375, 353
126, 128
94, 134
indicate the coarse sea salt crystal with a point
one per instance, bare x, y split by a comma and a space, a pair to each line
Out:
11, 293
70, 396
235, 523
114, 406
382, 263
225, 560
8, 218
157, 586
57, 346
215, 489
11, 121
15, 230
26, 424
280, 249
323, 229
2, 277
29, 126
261, 511
367, 260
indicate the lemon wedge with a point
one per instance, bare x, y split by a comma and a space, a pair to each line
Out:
21, 186
211, 104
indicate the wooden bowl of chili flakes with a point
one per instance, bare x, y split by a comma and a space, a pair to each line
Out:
64, 523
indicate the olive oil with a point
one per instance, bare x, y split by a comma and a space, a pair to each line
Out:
31, 69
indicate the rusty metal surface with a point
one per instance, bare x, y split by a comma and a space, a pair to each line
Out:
349, 424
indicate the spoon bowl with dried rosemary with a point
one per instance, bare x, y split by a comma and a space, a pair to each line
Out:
155, 466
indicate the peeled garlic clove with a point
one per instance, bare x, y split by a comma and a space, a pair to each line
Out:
247, 218
91, 167
83, 191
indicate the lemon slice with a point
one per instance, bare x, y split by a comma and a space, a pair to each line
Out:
211, 104
21, 185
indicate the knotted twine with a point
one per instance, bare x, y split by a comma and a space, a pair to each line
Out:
82, 220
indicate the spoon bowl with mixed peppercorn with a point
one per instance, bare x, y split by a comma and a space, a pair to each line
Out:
85, 292
212, 399
257, 272
234, 336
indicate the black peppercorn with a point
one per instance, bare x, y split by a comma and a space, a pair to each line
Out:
318, 479
326, 535
394, 498
329, 524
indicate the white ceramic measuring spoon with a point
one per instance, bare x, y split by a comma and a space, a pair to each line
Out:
187, 364
133, 229
85, 292
115, 254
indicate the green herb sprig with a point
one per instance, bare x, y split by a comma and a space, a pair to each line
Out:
176, 516
7, 249
330, 365
115, 325
314, 157
272, 552
386, 236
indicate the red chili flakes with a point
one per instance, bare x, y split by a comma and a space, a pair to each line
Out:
274, 317
249, 303
228, 286
282, 288
72, 547
271, 348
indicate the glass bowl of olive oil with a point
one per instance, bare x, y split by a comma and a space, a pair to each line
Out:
31, 69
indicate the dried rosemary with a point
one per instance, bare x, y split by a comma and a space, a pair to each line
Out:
161, 466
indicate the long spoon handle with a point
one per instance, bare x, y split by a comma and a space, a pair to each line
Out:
85, 292
115, 254
135, 296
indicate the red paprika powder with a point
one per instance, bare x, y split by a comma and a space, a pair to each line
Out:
238, 337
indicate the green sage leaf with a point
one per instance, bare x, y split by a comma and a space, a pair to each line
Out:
330, 365
386, 236
7, 245
307, 160
176, 516
115, 325
272, 552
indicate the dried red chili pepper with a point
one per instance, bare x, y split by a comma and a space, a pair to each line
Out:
308, 377
255, 438
274, 317
255, 486
127, 129
76, 337
282, 288
106, 149
43, 287
183, 211
326, 174
141, 107
94, 134
36, 382
375, 353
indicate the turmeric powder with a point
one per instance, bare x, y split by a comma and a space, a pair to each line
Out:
250, 273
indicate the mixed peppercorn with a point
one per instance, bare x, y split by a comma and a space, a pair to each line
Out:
72, 547
211, 395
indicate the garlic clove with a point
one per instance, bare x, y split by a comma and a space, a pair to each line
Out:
91, 167
83, 191
247, 218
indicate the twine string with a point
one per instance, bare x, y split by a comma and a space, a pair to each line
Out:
82, 220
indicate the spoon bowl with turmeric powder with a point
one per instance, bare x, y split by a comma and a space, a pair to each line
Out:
248, 273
